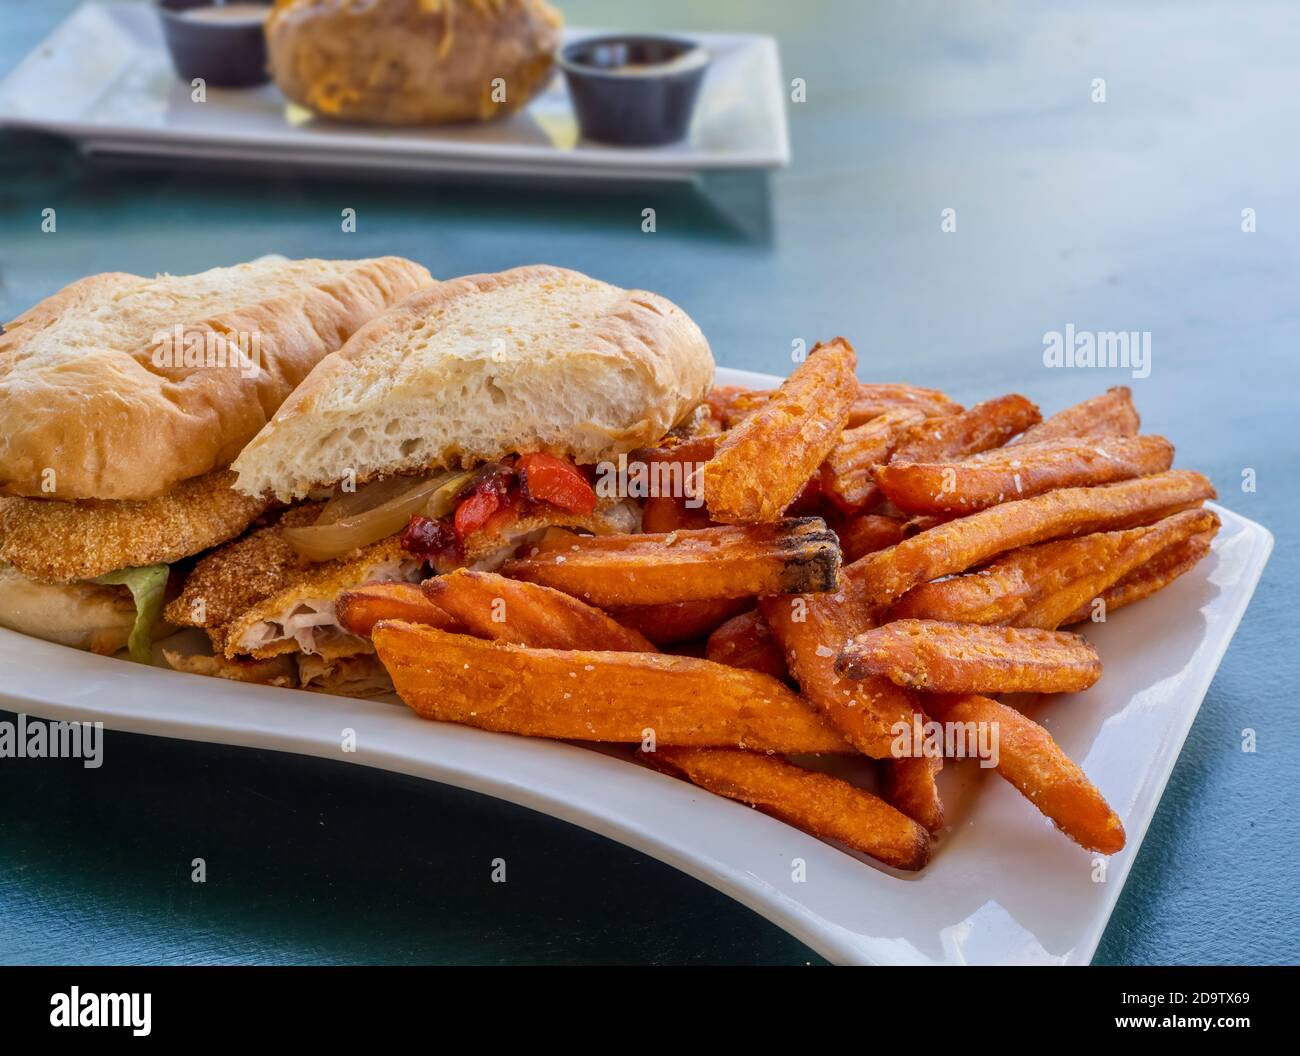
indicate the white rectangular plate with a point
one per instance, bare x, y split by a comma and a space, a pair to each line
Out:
104, 78
1004, 886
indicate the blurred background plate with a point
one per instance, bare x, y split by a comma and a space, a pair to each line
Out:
104, 79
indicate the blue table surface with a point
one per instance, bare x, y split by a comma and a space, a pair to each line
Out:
1123, 214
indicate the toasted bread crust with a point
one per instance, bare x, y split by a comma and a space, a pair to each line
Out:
537, 358
94, 406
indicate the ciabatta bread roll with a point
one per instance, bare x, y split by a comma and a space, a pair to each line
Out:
533, 359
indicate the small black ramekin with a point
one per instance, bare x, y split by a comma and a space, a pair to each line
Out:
634, 90
229, 54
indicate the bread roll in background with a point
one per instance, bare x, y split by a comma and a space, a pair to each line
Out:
412, 62
533, 359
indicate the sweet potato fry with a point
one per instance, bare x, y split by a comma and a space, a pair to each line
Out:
661, 514
1034, 764
791, 556
944, 657
866, 533
874, 398
817, 803
968, 541
1041, 586
508, 610
1056, 605
764, 462
680, 621
1025, 470
358, 610
811, 629
746, 641
986, 425
732, 404
668, 478
1146, 579
1110, 414
908, 784
846, 473
596, 696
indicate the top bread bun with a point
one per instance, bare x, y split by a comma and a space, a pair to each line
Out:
533, 359
100, 400
407, 62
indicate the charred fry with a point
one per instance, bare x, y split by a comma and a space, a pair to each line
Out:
814, 802
1034, 764
764, 462
1020, 472
596, 696
790, 556
967, 658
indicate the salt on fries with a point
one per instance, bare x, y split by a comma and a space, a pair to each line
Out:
935, 554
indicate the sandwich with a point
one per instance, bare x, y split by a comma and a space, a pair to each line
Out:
123, 401
448, 432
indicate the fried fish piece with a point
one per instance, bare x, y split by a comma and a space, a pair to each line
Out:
233, 579
301, 616
58, 541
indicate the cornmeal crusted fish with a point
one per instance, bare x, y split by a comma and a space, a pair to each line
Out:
56, 541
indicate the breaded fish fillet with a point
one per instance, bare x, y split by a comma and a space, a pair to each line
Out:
299, 617
233, 579
56, 542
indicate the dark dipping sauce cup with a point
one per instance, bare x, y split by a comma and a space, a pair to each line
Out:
228, 50
636, 91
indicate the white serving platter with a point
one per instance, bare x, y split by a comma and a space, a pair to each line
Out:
1004, 887
104, 79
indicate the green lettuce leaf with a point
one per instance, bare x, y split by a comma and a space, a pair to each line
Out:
147, 586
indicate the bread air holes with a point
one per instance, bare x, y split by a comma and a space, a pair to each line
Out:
409, 446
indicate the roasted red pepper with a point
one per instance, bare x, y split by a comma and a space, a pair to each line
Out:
546, 478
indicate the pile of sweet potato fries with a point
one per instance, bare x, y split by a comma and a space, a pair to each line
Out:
866, 554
